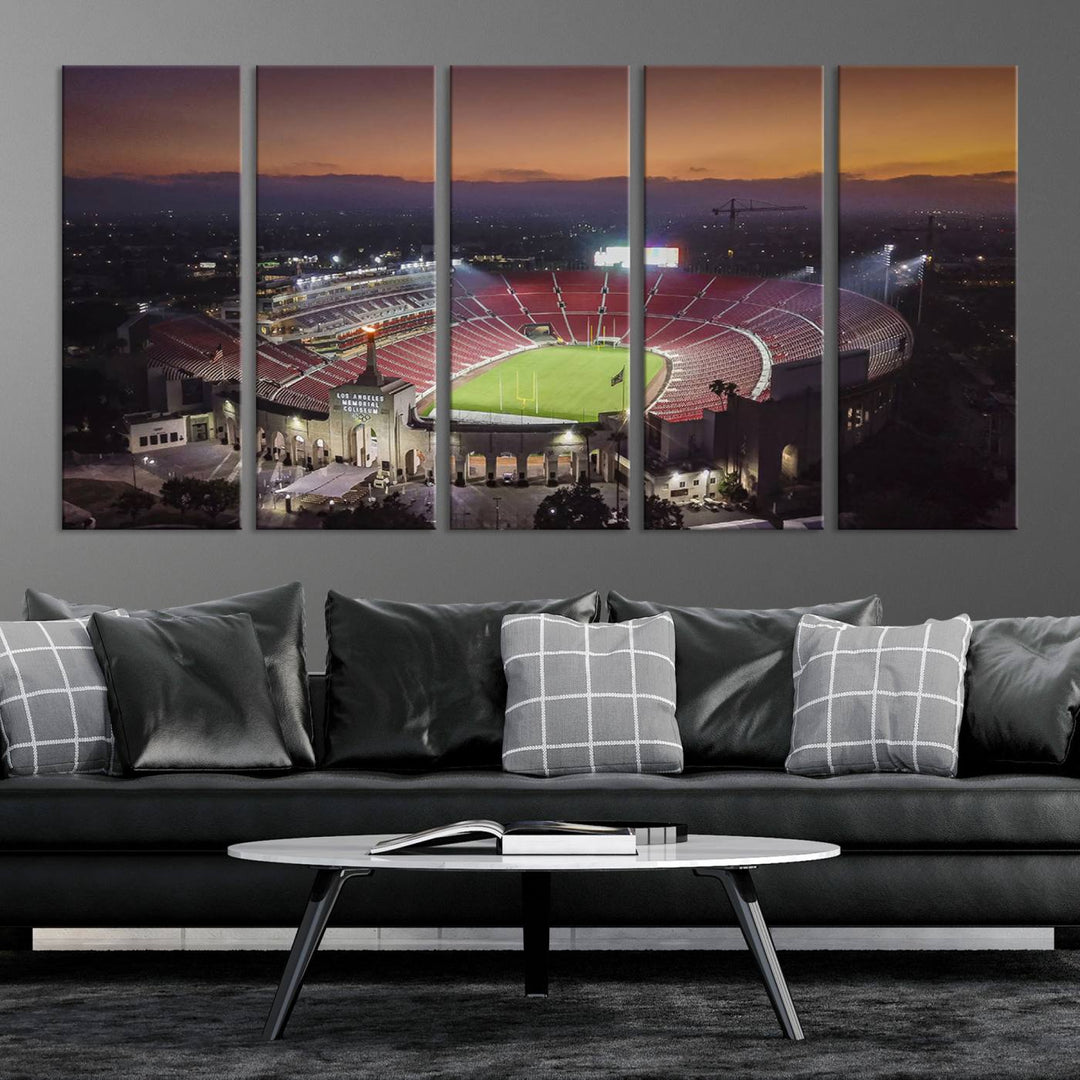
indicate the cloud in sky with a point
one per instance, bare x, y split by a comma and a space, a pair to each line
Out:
516, 176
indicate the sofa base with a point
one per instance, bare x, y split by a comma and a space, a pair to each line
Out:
193, 889
563, 939
16, 938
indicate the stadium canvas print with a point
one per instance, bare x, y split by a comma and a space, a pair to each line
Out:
151, 346
539, 324
927, 304
345, 298
733, 297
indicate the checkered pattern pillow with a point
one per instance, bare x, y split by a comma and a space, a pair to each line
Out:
878, 698
54, 715
589, 697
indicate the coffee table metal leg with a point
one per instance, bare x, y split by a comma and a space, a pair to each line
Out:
739, 886
324, 894
536, 929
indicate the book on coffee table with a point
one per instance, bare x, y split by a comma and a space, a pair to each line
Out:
648, 833
523, 838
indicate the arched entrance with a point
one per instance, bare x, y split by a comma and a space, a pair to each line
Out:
475, 465
364, 445
320, 453
506, 464
299, 450
789, 462
414, 462
279, 445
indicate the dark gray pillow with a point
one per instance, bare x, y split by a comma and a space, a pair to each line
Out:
414, 687
278, 617
1023, 694
189, 694
733, 670
589, 698
54, 717
878, 698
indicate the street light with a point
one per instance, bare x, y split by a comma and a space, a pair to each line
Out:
146, 461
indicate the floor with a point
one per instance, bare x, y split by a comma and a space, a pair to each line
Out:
872, 1015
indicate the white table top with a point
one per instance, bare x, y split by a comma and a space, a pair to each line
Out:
698, 851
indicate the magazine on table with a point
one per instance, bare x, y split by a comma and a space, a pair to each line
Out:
541, 837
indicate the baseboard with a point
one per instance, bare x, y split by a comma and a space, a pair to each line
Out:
396, 939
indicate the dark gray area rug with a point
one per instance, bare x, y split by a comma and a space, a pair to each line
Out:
97, 1016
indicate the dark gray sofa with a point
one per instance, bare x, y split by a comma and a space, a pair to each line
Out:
918, 850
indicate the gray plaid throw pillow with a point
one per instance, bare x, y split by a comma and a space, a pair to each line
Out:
54, 715
589, 697
878, 698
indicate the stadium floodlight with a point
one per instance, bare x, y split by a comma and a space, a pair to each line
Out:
887, 250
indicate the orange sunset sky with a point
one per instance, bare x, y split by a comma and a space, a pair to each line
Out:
151, 121
545, 123
318, 120
734, 122
944, 121
520, 123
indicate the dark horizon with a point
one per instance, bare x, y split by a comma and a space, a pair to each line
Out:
218, 193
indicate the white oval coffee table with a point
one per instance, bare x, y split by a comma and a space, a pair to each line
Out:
729, 859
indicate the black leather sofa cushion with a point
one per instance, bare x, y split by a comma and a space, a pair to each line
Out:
188, 694
733, 670
278, 615
421, 686
203, 811
1022, 694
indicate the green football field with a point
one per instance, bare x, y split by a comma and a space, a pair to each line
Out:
571, 382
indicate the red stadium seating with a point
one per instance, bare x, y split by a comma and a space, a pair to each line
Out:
707, 327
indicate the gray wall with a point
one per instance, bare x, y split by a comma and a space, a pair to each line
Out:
1033, 570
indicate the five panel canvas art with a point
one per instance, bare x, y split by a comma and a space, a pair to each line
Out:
543, 326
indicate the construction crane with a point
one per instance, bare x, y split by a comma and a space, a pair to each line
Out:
734, 207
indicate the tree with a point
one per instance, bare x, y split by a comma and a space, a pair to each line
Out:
218, 496
182, 493
587, 431
730, 487
391, 513
92, 409
615, 440
579, 506
662, 514
724, 390
134, 502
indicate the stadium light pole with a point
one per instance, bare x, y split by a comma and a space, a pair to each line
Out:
888, 250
